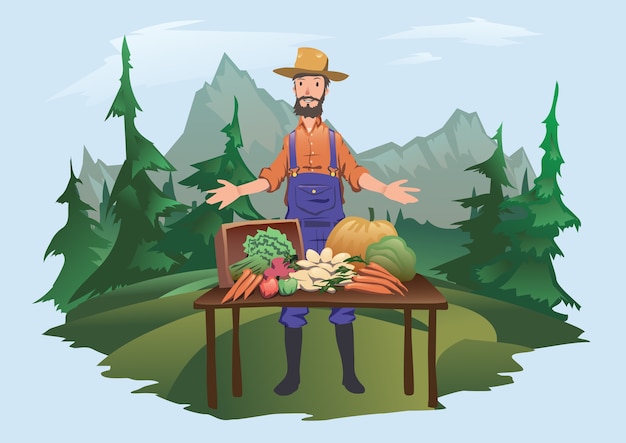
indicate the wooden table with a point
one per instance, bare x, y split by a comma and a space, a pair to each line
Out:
422, 295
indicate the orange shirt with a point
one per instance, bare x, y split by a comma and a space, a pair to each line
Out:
313, 155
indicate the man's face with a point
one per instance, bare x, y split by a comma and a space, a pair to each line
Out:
310, 92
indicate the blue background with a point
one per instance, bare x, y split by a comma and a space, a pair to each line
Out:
56, 90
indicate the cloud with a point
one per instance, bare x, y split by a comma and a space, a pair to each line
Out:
478, 31
415, 59
158, 52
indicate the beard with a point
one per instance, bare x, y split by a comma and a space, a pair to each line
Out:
309, 111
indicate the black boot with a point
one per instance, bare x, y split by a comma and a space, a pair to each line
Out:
293, 348
345, 342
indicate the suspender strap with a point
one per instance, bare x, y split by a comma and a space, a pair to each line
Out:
293, 161
333, 151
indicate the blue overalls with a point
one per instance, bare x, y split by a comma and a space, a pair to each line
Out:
315, 200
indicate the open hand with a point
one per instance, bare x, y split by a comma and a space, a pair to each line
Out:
396, 192
226, 194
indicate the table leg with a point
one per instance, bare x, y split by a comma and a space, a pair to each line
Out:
432, 366
211, 361
237, 385
408, 353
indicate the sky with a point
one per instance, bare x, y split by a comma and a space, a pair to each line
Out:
410, 65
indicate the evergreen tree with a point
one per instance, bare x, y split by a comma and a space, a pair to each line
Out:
79, 244
534, 220
525, 186
108, 227
137, 203
485, 243
168, 190
474, 210
194, 234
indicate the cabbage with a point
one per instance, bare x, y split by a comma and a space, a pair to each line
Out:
269, 244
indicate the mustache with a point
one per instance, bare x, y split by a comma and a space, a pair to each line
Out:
310, 97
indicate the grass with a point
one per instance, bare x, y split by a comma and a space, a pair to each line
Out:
151, 332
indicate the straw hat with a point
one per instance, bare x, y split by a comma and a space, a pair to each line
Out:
311, 61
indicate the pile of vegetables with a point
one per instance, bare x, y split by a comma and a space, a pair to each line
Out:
261, 249
269, 254
270, 265
272, 281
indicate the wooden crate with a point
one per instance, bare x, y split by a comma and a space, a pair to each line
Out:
231, 236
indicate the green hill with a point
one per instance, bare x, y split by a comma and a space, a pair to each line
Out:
147, 336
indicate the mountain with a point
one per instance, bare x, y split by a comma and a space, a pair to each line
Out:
435, 163
264, 122
93, 175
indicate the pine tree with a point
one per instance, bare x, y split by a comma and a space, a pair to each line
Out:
525, 186
108, 227
485, 244
168, 190
137, 203
194, 234
474, 209
79, 244
534, 220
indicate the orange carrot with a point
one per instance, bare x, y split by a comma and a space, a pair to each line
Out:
376, 269
234, 288
245, 282
255, 282
370, 288
374, 265
378, 281
244, 285
375, 273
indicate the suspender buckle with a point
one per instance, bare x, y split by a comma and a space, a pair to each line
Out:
294, 171
333, 171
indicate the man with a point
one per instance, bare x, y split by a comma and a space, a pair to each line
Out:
314, 159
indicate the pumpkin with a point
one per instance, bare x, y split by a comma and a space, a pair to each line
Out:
354, 234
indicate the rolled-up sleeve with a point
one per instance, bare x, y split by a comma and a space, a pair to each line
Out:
277, 171
350, 170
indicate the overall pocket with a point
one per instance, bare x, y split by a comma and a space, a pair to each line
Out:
315, 199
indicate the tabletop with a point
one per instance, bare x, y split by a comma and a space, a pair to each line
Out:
421, 295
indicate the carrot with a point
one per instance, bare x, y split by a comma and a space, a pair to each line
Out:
253, 285
378, 281
376, 266
245, 284
385, 275
370, 288
378, 269
234, 288
375, 273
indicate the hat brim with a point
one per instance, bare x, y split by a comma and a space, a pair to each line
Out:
292, 72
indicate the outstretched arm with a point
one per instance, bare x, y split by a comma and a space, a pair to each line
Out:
229, 192
393, 191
